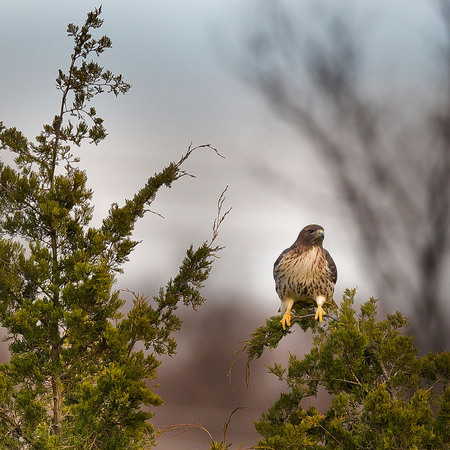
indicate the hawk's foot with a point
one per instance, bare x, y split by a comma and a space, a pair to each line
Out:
286, 319
319, 313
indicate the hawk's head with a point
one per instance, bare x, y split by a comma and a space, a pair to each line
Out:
311, 235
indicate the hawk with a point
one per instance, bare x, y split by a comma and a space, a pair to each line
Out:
305, 272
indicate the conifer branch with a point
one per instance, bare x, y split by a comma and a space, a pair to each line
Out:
16, 427
78, 377
361, 363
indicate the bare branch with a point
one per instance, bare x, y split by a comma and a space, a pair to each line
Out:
220, 216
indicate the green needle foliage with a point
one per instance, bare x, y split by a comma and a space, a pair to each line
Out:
383, 394
80, 368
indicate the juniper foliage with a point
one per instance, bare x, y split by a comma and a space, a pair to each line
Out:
79, 376
383, 394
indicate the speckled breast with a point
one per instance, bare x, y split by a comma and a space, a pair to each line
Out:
302, 275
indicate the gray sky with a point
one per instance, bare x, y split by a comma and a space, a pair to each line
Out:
176, 55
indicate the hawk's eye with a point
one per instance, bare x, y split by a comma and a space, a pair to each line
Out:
311, 231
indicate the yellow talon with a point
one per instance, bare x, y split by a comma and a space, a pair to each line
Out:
319, 313
286, 319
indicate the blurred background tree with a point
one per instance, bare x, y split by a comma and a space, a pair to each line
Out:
385, 143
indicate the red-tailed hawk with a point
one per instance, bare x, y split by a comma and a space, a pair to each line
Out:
305, 272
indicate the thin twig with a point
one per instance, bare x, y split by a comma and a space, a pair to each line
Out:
228, 421
190, 150
183, 427
220, 217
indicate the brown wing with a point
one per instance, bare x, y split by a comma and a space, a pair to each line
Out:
283, 254
331, 266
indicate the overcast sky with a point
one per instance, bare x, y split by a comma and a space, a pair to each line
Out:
178, 56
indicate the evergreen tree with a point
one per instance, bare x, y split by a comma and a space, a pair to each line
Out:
383, 394
79, 371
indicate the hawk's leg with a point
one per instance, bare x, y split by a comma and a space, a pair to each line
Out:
320, 300
286, 306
